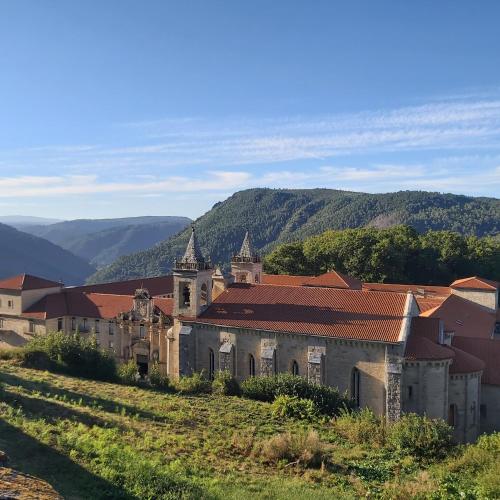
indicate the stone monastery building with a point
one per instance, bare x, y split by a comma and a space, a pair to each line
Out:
393, 348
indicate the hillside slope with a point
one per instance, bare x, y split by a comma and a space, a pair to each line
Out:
102, 241
276, 216
24, 253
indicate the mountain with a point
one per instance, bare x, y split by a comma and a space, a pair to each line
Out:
101, 241
19, 221
280, 215
24, 253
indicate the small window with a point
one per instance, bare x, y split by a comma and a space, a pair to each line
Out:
256, 279
242, 278
73, 324
482, 411
251, 365
32, 327
111, 328
10, 304
355, 383
97, 326
186, 296
295, 368
452, 415
142, 332
59, 324
410, 392
211, 364
84, 325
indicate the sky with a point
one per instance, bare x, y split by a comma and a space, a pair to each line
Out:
119, 108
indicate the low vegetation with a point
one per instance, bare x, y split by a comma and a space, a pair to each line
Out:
95, 439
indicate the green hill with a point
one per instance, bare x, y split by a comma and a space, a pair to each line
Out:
276, 216
99, 440
101, 241
24, 253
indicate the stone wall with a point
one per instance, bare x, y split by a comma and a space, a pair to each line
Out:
489, 409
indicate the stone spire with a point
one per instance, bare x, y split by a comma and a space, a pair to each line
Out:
193, 258
246, 253
193, 254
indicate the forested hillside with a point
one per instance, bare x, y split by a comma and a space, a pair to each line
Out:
101, 241
276, 216
24, 253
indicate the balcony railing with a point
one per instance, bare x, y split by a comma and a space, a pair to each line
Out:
240, 259
192, 266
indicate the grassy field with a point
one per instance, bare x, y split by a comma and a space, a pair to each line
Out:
94, 440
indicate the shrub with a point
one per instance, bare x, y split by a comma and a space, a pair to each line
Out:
294, 407
72, 354
128, 373
7, 354
420, 436
303, 447
225, 384
156, 379
193, 384
327, 399
360, 427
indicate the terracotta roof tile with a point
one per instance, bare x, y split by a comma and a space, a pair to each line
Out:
488, 351
27, 282
422, 344
332, 279
464, 362
331, 312
161, 285
476, 283
464, 318
283, 279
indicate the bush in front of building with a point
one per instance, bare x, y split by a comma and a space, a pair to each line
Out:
294, 407
420, 436
327, 399
71, 354
225, 384
360, 427
196, 383
128, 373
157, 379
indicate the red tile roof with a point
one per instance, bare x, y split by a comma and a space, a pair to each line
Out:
27, 282
161, 285
332, 279
464, 362
423, 344
464, 318
487, 350
90, 305
331, 312
427, 296
475, 283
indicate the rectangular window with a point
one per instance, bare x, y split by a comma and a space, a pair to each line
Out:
73, 324
59, 324
97, 326
84, 325
10, 304
111, 328
32, 327
410, 392
142, 331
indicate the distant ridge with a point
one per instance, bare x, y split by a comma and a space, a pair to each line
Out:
24, 253
276, 216
19, 221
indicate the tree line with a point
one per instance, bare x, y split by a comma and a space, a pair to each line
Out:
395, 255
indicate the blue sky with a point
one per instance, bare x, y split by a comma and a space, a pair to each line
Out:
121, 108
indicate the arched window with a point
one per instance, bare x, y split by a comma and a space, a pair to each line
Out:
295, 368
211, 364
251, 365
204, 295
452, 415
256, 278
242, 278
355, 377
186, 295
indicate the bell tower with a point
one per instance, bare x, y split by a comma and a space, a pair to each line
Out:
246, 266
192, 281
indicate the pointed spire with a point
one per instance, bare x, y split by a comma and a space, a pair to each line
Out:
246, 247
193, 254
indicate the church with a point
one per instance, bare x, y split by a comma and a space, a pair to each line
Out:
394, 348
